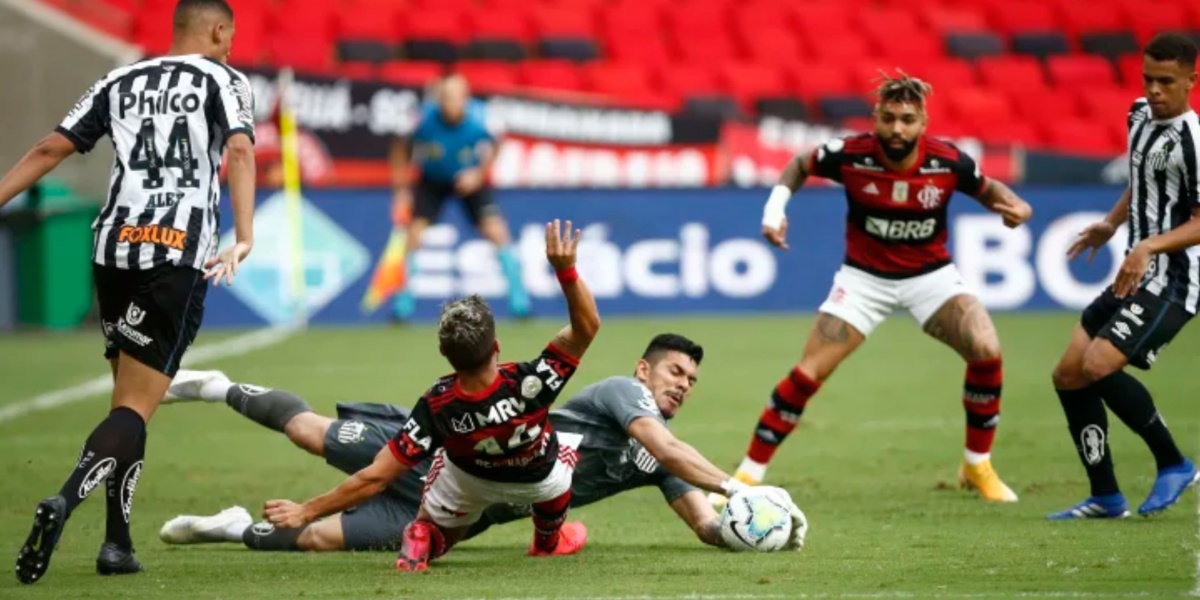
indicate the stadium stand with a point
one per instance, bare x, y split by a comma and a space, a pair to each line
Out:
988, 60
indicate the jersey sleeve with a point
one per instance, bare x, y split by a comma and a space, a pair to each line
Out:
673, 488
543, 378
970, 179
88, 120
625, 400
1190, 165
417, 438
235, 106
828, 158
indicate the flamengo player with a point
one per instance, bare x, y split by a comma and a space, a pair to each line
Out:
898, 183
487, 425
170, 119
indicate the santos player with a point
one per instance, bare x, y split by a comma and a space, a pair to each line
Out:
898, 183
170, 120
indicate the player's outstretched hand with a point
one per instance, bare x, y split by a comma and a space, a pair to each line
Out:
777, 237
799, 521
1014, 211
226, 263
1133, 269
560, 248
284, 513
1093, 237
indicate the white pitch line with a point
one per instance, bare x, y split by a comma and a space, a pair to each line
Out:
853, 595
235, 346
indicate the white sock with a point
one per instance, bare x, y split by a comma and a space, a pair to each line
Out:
975, 458
215, 390
234, 532
755, 470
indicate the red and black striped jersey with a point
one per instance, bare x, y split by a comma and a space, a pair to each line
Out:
501, 433
896, 223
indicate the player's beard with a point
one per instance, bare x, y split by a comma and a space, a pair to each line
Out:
896, 154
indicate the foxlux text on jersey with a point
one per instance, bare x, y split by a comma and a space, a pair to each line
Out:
157, 103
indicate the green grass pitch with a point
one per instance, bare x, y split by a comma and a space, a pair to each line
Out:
872, 465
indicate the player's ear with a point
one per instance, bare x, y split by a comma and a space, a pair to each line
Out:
642, 371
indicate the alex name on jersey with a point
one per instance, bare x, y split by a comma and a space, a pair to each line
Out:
896, 223
169, 119
501, 433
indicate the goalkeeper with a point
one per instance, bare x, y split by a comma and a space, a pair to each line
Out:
618, 426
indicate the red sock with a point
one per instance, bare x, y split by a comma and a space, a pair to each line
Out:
788, 400
981, 399
548, 519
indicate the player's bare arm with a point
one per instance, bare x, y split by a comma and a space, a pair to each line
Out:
774, 225
1133, 269
1000, 199
964, 324
401, 168
45, 155
1095, 236
678, 457
357, 488
699, 515
239, 152
561, 247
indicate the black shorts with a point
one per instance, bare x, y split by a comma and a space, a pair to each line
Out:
351, 443
152, 315
431, 196
1139, 326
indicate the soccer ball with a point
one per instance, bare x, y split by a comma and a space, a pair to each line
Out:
756, 519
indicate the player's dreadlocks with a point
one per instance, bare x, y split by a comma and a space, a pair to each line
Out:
466, 333
904, 89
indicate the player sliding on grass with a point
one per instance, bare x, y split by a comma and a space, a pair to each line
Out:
898, 183
485, 427
618, 426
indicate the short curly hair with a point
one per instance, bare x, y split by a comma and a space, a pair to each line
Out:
467, 333
903, 88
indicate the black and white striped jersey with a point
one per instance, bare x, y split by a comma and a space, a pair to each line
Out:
169, 119
1164, 190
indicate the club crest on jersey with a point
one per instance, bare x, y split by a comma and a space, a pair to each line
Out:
900, 192
463, 424
531, 386
1159, 159
930, 196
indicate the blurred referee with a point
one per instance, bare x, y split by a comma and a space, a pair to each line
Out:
1156, 293
453, 151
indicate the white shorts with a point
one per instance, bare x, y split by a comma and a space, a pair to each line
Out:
455, 498
864, 300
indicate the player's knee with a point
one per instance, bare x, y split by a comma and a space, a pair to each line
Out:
987, 350
1096, 366
323, 536
307, 431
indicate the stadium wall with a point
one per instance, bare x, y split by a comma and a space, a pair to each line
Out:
649, 252
49, 60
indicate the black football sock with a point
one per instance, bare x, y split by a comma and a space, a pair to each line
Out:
1088, 422
121, 485
270, 408
1132, 403
118, 440
263, 536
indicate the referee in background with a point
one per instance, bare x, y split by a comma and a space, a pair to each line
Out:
1156, 292
452, 150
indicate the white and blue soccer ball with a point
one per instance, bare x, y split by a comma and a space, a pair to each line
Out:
756, 519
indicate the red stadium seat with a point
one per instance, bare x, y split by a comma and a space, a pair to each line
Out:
1012, 72
716, 46
1012, 132
250, 39
302, 52
1150, 18
1082, 136
358, 23
771, 47
846, 47
1037, 105
697, 22
362, 70
410, 72
509, 25
919, 48
749, 82
953, 19
977, 104
549, 74
621, 18
685, 80
1107, 105
1023, 16
551, 22
434, 24
824, 22
1080, 70
317, 20
150, 30
487, 75
887, 23
947, 73
607, 76
1130, 70
812, 80
1084, 16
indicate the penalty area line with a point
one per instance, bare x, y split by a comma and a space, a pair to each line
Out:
234, 346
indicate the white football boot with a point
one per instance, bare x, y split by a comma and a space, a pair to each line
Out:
225, 526
186, 386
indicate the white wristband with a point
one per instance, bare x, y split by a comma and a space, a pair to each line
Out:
732, 486
776, 208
